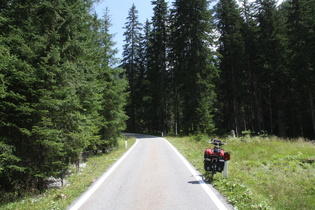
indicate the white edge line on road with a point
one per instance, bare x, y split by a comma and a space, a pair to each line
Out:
210, 193
86, 195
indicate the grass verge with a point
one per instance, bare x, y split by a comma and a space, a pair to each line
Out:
264, 172
76, 183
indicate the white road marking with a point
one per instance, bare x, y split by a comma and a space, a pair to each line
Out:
100, 181
210, 193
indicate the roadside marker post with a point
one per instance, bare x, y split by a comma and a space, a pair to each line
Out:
225, 170
210, 193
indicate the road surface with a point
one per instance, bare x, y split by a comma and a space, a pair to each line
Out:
151, 175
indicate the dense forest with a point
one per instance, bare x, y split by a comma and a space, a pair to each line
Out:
59, 95
194, 68
246, 66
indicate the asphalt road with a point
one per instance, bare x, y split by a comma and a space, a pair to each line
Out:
151, 175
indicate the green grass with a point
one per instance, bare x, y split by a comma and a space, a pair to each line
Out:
264, 173
77, 183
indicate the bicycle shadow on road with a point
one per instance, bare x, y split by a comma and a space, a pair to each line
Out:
193, 182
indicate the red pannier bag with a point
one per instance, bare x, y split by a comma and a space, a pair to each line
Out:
213, 152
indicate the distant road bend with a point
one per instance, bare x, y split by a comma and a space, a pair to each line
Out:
151, 175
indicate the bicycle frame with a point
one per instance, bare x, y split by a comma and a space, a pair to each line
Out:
215, 158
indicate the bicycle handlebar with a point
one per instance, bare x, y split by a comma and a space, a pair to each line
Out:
217, 142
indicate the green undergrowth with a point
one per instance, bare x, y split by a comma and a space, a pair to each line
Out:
75, 184
264, 172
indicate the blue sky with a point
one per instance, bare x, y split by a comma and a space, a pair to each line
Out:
118, 10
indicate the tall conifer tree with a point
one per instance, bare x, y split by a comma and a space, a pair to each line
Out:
231, 48
52, 89
157, 67
144, 114
253, 106
301, 21
130, 63
273, 64
193, 65
113, 86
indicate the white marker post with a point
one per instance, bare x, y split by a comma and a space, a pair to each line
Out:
226, 168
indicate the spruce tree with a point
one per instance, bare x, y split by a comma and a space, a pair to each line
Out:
157, 67
273, 64
193, 66
253, 103
58, 92
113, 88
10, 163
48, 115
232, 75
301, 17
130, 63
143, 106
17, 104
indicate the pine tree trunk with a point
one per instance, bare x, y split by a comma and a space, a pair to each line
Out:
312, 108
301, 124
270, 115
257, 106
281, 123
237, 123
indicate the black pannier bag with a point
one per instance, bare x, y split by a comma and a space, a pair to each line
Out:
220, 165
208, 164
